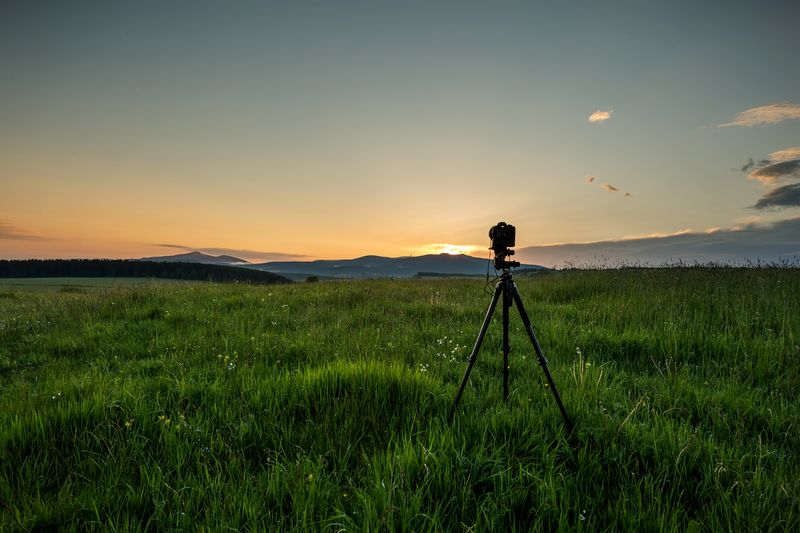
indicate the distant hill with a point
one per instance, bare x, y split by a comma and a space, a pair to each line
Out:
198, 257
776, 244
373, 266
109, 268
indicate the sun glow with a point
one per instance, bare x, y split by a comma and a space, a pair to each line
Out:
447, 248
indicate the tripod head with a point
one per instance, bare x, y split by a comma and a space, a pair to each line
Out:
500, 262
503, 237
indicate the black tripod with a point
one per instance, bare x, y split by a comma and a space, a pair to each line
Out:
508, 289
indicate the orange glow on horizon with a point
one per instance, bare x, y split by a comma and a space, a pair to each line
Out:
447, 248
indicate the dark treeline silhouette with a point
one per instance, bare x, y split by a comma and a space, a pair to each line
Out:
120, 268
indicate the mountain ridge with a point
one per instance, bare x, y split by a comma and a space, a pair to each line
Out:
372, 266
366, 266
198, 257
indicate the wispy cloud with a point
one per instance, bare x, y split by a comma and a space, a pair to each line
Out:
252, 255
600, 116
12, 233
766, 114
773, 172
606, 186
782, 165
786, 154
786, 196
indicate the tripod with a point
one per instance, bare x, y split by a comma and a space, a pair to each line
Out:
508, 289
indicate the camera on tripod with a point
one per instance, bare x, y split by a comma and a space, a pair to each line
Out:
503, 237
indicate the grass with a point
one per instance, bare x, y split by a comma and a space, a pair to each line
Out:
315, 406
10, 285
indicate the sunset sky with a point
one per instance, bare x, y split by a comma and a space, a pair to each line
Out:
334, 129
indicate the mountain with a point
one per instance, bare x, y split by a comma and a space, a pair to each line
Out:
776, 243
198, 257
374, 266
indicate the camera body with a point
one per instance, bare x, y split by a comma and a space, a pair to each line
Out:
503, 236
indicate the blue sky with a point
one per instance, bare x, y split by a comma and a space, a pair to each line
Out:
338, 129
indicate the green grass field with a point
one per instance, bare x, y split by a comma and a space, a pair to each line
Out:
10, 285
323, 406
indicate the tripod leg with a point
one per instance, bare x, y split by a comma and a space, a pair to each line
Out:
506, 347
474, 355
540, 355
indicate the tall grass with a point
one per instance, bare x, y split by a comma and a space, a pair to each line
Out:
323, 405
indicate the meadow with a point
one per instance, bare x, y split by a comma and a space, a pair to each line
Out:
10, 285
323, 406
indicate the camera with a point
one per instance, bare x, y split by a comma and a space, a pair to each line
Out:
503, 236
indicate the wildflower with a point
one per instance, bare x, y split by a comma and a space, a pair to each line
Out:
129, 424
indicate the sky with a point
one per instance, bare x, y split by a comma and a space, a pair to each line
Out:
325, 130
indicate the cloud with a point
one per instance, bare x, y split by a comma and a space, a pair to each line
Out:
785, 154
752, 241
610, 188
605, 186
251, 255
600, 116
766, 114
781, 165
773, 172
9, 232
786, 196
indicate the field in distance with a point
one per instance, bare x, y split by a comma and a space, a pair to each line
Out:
8, 285
307, 406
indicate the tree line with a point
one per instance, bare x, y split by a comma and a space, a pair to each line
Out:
122, 268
